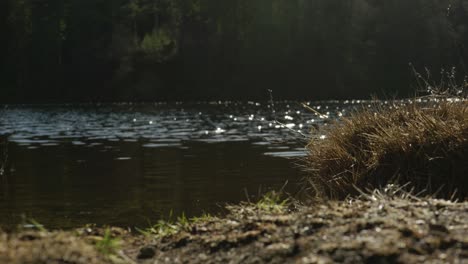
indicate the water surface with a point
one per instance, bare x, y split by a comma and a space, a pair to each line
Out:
130, 164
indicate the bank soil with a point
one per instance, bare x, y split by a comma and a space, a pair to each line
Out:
374, 228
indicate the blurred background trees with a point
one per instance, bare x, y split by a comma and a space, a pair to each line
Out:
99, 50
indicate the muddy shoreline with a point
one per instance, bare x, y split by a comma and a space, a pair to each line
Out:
373, 228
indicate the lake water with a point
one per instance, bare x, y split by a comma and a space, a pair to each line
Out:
131, 164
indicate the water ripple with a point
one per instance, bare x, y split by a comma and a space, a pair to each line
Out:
169, 125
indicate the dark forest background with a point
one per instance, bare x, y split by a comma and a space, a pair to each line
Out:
146, 50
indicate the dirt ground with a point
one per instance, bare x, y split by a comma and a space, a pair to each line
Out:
374, 228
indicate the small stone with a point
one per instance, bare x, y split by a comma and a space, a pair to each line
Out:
147, 252
438, 228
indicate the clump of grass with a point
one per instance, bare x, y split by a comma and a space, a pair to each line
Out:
164, 228
108, 245
422, 143
272, 202
183, 222
202, 219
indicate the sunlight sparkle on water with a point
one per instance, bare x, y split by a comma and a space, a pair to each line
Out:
219, 130
123, 158
138, 124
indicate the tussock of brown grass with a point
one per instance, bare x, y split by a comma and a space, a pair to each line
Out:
425, 144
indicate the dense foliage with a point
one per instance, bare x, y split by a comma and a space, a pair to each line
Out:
56, 50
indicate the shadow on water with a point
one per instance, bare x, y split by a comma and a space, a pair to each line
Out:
127, 183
